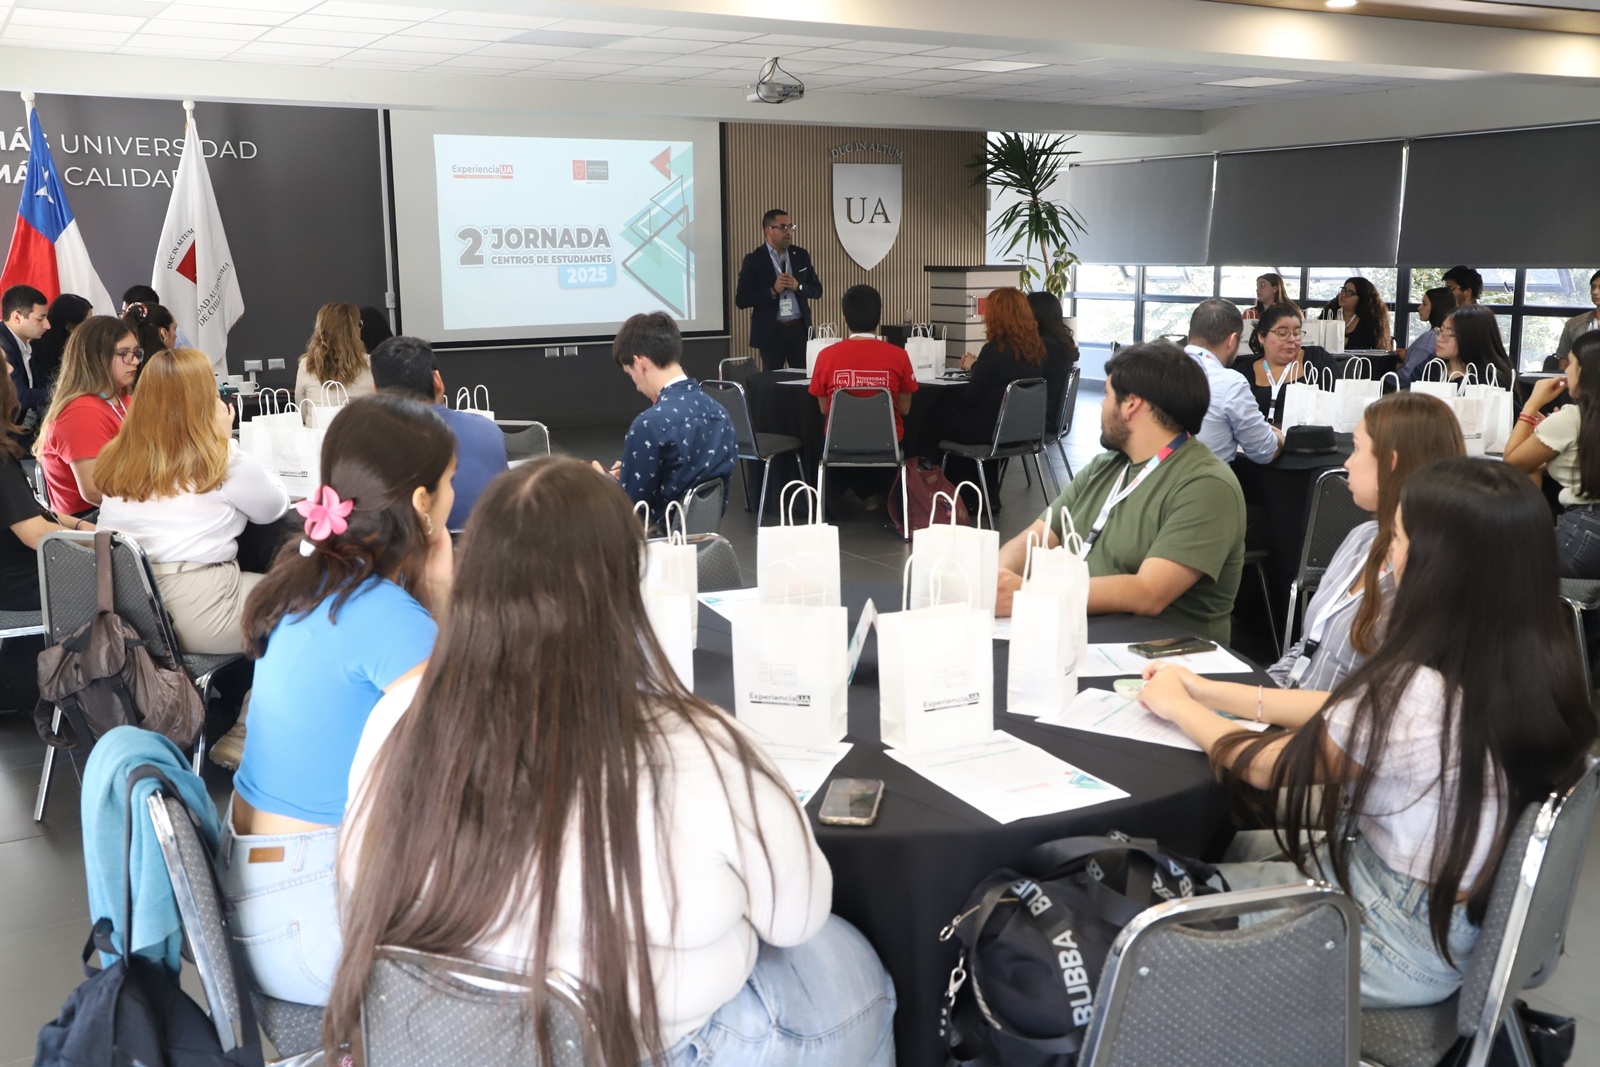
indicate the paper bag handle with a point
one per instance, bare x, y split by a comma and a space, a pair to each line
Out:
484, 389
935, 583
786, 503
1352, 361
1069, 534
951, 498
1444, 370
330, 396
1386, 377
644, 516
680, 536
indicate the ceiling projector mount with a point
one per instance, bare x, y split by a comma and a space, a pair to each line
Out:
769, 89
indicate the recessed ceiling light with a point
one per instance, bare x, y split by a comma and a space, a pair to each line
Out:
995, 66
1256, 83
1339, 3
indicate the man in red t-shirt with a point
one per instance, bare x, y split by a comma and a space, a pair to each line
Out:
864, 361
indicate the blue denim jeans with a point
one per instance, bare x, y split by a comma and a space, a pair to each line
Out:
1400, 967
826, 1002
283, 909
1578, 542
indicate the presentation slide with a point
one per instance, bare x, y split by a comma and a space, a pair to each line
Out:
538, 237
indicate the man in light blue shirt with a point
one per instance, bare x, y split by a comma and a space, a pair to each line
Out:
1233, 423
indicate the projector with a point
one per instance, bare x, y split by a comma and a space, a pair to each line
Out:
767, 90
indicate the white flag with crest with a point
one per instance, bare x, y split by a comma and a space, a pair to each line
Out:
194, 271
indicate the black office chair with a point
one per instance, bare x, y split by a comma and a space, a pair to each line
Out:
861, 433
1018, 431
757, 447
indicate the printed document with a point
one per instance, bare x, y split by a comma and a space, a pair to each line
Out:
1117, 661
1008, 779
1100, 711
805, 769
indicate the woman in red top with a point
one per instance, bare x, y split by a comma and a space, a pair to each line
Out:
90, 401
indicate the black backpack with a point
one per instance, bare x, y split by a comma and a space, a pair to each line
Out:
133, 1012
1035, 938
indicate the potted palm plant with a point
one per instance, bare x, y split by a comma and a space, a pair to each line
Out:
1028, 165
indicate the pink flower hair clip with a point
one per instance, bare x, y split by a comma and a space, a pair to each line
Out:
325, 515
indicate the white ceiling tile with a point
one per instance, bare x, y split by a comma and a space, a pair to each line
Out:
568, 67
918, 61
615, 57
493, 19
745, 48
626, 29
178, 50
527, 51
396, 43
347, 23
368, 64
407, 57
104, 7
446, 31
564, 39
703, 61
109, 38
973, 53
695, 33
400, 12
215, 31
76, 20
834, 55
542, 75
897, 47
239, 16
278, 61
292, 51
55, 43
295, 36
789, 40
181, 45
285, 7
657, 44
455, 66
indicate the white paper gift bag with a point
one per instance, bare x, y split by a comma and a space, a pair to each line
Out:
671, 562
823, 335
811, 549
974, 551
1434, 380
1049, 627
1472, 415
1333, 335
669, 611
274, 405
935, 672
1498, 411
297, 457
1306, 403
319, 411
1353, 391
475, 400
925, 352
790, 672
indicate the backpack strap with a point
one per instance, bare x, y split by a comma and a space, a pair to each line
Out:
105, 599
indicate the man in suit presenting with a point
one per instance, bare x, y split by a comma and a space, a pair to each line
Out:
777, 281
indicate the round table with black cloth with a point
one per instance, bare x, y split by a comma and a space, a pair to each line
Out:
901, 880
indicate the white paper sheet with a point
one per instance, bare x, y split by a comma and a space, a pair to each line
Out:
1100, 711
1008, 779
806, 770
1116, 661
726, 602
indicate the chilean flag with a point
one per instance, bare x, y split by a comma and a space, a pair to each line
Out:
47, 251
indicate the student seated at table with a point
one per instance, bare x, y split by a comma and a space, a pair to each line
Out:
1280, 332
1470, 338
546, 750
334, 354
1472, 707
26, 522
861, 361
1269, 290
345, 615
66, 314
156, 330
1436, 306
1365, 317
684, 438
1579, 325
176, 482
92, 397
1011, 350
1233, 425
1566, 445
1060, 353
406, 366
1163, 515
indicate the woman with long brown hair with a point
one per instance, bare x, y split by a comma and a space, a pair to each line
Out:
1566, 446
548, 750
175, 481
344, 616
92, 397
1269, 290
155, 327
25, 521
334, 354
1012, 350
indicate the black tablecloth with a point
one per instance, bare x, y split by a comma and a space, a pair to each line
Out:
1282, 489
901, 880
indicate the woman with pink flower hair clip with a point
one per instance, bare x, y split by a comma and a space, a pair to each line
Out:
347, 613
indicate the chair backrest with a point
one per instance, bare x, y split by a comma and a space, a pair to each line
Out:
36, 482
1022, 414
736, 369
1279, 991
421, 1010
1069, 401
1333, 515
730, 395
528, 442
716, 563
200, 911
1525, 926
702, 507
861, 428
67, 591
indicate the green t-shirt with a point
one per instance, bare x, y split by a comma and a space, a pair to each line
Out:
1189, 511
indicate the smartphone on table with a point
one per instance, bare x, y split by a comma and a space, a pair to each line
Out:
851, 802
1172, 646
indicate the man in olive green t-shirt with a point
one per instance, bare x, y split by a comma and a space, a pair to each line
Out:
1172, 546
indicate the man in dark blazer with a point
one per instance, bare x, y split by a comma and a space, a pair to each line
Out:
23, 308
777, 282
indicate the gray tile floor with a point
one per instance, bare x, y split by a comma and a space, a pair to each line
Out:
43, 902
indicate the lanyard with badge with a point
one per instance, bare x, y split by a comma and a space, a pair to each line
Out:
1318, 629
787, 306
1119, 493
1276, 383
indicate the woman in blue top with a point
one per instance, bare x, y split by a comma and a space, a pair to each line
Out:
344, 616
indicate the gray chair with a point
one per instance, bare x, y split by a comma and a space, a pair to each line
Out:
421, 1010
737, 369
1519, 944
1333, 515
1579, 595
1069, 403
1284, 990
36, 482
1018, 431
716, 563
21, 623
755, 447
861, 433
295, 1030
528, 442
702, 507
67, 591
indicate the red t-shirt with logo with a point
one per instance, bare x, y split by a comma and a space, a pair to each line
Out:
864, 363
80, 431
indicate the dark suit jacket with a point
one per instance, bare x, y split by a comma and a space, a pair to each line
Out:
758, 275
27, 396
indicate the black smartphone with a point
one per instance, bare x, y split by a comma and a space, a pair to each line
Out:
1172, 646
851, 802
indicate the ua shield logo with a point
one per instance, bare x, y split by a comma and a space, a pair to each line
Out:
866, 209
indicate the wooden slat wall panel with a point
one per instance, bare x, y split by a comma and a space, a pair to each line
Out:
772, 165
